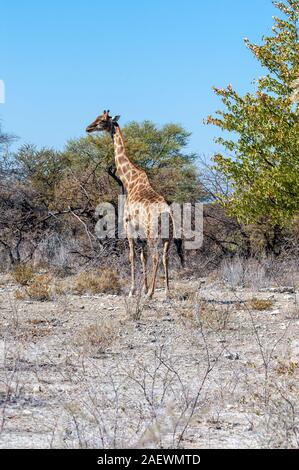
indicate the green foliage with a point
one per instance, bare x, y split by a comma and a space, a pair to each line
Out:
262, 159
5, 141
161, 152
153, 148
42, 169
78, 177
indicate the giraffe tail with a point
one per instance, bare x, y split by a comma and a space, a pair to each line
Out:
177, 241
180, 250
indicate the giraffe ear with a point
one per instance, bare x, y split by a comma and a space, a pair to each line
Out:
115, 118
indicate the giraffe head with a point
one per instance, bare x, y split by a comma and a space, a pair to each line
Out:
103, 122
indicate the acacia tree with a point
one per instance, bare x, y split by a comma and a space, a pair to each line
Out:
160, 151
262, 156
5, 141
4, 138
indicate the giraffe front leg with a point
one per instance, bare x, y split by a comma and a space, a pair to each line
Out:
132, 261
155, 260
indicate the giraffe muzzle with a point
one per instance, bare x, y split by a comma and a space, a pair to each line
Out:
90, 129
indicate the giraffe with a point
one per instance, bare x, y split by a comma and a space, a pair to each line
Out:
143, 209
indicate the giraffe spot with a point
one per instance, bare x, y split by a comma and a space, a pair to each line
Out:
121, 160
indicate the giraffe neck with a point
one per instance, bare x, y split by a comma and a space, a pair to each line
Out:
126, 170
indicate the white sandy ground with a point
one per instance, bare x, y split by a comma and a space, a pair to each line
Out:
202, 370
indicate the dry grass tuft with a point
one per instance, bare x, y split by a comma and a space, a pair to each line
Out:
287, 368
34, 286
35, 332
186, 295
60, 288
260, 304
20, 294
23, 274
40, 288
293, 312
106, 281
216, 318
97, 336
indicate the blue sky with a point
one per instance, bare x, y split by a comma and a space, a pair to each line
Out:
63, 62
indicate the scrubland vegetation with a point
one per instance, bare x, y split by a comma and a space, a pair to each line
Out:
82, 365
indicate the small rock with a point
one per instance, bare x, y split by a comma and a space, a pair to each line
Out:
278, 290
232, 356
223, 302
274, 312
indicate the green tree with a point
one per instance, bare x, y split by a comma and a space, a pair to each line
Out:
83, 174
262, 156
159, 151
5, 142
42, 169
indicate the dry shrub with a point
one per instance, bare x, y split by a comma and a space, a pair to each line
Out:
214, 317
59, 288
97, 336
5, 279
260, 304
61, 272
34, 332
292, 312
287, 368
40, 288
185, 294
23, 274
134, 306
106, 281
20, 294
232, 272
30, 330
258, 273
241, 272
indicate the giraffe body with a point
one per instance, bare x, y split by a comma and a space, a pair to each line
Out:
144, 209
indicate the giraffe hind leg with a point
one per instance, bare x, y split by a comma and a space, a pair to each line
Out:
155, 264
132, 261
143, 258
